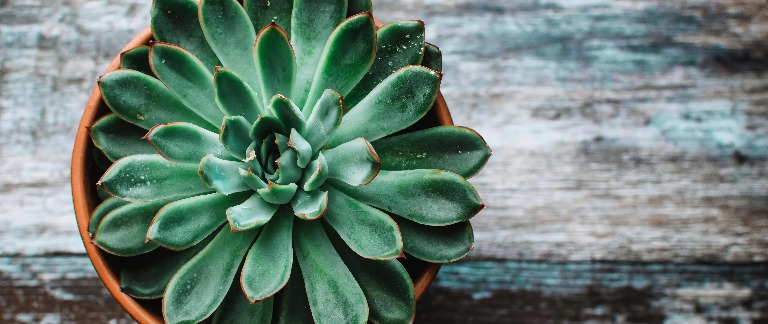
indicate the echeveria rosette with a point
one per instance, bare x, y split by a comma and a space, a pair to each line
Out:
260, 169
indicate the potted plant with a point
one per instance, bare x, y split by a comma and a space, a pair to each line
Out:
273, 161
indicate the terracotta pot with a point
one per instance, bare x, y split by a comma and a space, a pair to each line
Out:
85, 175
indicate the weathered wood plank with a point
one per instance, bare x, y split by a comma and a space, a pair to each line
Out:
623, 130
66, 289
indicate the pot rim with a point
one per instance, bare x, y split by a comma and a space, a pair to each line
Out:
83, 192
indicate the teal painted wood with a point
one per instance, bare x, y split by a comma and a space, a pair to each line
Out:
623, 131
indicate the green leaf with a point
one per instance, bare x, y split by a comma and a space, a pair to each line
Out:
325, 118
148, 177
145, 101
451, 148
136, 59
436, 244
309, 33
263, 12
368, 231
187, 78
264, 126
118, 138
310, 205
433, 58
334, 295
396, 103
123, 231
429, 197
277, 193
252, 180
175, 22
199, 287
400, 44
236, 309
347, 56
287, 169
186, 222
234, 96
292, 305
275, 62
102, 210
315, 173
355, 7
268, 264
386, 285
234, 135
354, 162
102, 163
222, 175
185, 142
148, 275
287, 113
301, 147
231, 36
252, 213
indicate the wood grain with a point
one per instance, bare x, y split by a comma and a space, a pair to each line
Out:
628, 136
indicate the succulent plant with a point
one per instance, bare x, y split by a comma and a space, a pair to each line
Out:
258, 166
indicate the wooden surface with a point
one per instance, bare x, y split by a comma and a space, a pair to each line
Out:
628, 182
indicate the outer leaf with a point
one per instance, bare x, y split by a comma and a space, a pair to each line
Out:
278, 194
123, 231
325, 118
437, 244
309, 32
387, 286
185, 142
102, 210
236, 309
200, 286
234, 136
354, 162
275, 62
188, 78
252, 213
451, 148
102, 163
222, 175
145, 101
433, 58
175, 22
184, 223
310, 205
286, 112
136, 59
234, 96
315, 173
368, 231
118, 138
293, 307
396, 103
400, 44
148, 277
334, 295
268, 264
347, 56
151, 177
231, 36
429, 197
358, 6
263, 12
